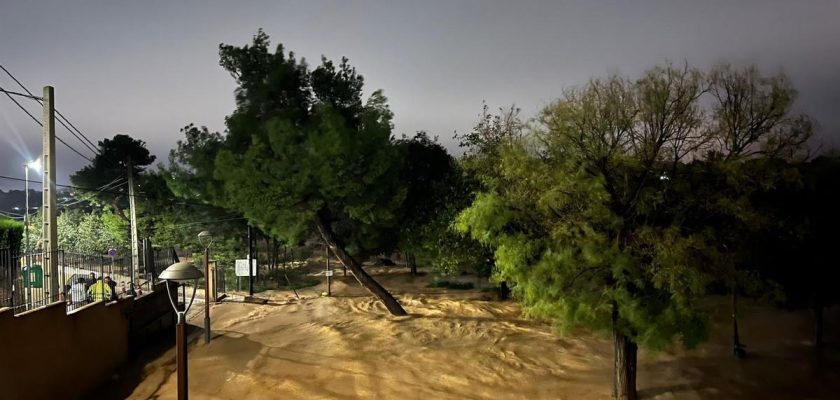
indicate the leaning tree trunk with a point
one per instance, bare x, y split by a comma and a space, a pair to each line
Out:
624, 372
364, 279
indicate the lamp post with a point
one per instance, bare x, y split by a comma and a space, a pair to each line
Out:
206, 238
180, 273
36, 165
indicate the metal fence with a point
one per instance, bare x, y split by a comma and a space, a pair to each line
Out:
10, 278
25, 279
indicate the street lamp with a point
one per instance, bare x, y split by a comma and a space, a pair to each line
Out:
206, 239
180, 273
35, 165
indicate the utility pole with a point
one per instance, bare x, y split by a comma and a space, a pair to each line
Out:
135, 255
50, 227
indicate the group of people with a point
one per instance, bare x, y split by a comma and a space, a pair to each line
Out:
92, 289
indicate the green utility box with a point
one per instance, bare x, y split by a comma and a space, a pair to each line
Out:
35, 275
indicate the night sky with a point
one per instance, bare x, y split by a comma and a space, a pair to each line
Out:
147, 68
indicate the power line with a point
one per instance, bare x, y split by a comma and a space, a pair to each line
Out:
110, 185
77, 130
204, 222
84, 189
42, 125
6, 92
91, 147
20, 94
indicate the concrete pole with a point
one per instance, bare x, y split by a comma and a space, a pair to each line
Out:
50, 226
135, 253
26, 221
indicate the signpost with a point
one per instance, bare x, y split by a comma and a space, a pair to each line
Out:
242, 267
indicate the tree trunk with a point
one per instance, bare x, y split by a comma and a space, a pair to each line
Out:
624, 380
364, 279
818, 321
413, 263
269, 260
504, 290
737, 347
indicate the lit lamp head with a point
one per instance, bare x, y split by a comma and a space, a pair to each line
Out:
181, 272
34, 165
205, 238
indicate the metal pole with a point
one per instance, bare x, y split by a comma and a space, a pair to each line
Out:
256, 256
181, 357
207, 294
250, 268
329, 275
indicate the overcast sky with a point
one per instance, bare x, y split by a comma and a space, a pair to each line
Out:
147, 68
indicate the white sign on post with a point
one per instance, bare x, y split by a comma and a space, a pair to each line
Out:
242, 267
329, 273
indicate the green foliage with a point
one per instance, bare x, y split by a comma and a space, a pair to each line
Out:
91, 233
172, 222
109, 168
437, 190
81, 231
603, 207
797, 248
303, 146
36, 226
11, 233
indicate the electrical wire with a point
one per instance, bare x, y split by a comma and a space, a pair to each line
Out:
205, 222
111, 185
42, 125
90, 146
173, 200
8, 92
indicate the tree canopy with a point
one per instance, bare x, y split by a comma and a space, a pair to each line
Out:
585, 212
305, 153
102, 177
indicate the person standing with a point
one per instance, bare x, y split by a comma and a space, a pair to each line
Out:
112, 288
78, 293
90, 281
99, 291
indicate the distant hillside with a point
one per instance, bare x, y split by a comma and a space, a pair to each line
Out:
17, 198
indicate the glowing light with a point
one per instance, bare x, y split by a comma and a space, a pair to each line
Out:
34, 165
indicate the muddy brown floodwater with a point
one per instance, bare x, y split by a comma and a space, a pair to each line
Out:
462, 345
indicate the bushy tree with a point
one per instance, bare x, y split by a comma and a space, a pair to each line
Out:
753, 133
90, 232
437, 190
798, 253
11, 234
589, 213
102, 179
